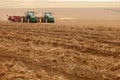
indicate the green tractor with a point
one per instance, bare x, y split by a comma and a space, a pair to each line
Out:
47, 18
30, 17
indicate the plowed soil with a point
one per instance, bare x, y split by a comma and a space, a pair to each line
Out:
60, 51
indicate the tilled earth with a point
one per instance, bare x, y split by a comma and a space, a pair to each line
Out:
59, 52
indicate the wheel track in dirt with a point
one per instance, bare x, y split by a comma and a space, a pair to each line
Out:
83, 49
63, 44
86, 49
36, 66
44, 66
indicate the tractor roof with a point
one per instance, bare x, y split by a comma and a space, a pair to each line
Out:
30, 11
48, 12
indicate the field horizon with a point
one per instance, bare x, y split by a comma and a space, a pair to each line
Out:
69, 13
58, 4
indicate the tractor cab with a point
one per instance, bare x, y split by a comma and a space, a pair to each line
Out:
30, 16
48, 17
48, 14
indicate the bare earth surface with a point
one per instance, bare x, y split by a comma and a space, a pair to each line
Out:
59, 51
84, 49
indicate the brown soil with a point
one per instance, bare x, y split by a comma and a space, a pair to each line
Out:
59, 51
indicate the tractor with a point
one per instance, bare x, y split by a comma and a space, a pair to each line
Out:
30, 17
47, 18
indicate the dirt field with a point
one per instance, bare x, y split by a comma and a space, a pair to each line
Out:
86, 51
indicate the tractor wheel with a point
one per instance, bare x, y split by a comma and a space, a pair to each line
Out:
42, 21
53, 22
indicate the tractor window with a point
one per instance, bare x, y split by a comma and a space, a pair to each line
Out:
48, 14
31, 14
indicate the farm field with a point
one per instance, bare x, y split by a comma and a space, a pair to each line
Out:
88, 50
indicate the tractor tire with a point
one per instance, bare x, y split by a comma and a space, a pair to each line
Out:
53, 22
42, 21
